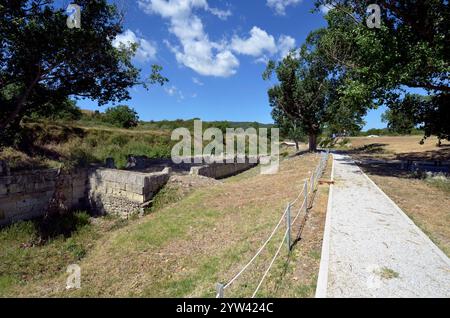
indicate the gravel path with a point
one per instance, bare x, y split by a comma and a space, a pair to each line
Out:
371, 248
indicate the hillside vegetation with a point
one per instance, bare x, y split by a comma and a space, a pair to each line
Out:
91, 138
48, 145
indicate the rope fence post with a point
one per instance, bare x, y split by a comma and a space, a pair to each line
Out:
310, 186
288, 225
306, 196
220, 290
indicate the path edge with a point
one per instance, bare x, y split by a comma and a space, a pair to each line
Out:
322, 280
419, 231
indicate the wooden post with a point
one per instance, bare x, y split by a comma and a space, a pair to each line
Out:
306, 196
288, 224
219, 290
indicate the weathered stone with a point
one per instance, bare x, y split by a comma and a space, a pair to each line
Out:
26, 194
16, 188
3, 189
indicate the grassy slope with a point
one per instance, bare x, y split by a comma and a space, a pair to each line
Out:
47, 145
187, 247
24, 261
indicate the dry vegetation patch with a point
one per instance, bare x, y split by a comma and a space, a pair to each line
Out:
400, 148
184, 249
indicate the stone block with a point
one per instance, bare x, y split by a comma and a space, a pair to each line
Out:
16, 188
3, 190
6, 180
45, 186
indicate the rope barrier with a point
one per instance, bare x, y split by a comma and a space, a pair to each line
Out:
257, 253
314, 181
270, 265
295, 201
299, 211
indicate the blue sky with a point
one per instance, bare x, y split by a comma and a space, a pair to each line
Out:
213, 52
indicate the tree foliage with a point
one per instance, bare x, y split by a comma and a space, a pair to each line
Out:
401, 117
309, 92
43, 62
301, 93
289, 128
410, 50
121, 116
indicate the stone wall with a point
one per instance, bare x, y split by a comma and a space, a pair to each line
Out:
26, 195
123, 192
102, 190
221, 170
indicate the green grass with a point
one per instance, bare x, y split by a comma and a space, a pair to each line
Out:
387, 273
25, 259
46, 145
439, 181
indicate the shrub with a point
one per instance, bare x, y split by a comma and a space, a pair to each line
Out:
122, 116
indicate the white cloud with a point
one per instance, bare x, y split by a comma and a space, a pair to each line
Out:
325, 8
262, 45
221, 14
197, 51
175, 92
280, 5
197, 81
285, 44
259, 43
145, 52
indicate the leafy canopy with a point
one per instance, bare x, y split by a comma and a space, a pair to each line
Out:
410, 50
122, 116
43, 62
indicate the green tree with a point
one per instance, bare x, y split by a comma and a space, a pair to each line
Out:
289, 128
411, 49
401, 117
122, 116
66, 110
301, 93
43, 62
309, 91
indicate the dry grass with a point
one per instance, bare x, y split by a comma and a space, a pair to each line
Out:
187, 247
402, 147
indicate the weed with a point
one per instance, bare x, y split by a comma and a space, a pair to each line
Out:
387, 273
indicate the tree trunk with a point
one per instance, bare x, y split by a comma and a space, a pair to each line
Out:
20, 103
312, 142
297, 146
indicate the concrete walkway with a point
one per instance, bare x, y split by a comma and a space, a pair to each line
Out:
371, 248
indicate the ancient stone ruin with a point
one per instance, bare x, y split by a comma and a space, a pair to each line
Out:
102, 190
